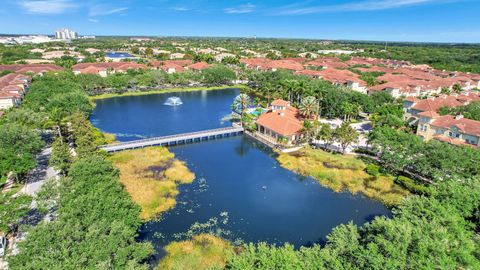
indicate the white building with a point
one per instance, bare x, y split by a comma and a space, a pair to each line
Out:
65, 33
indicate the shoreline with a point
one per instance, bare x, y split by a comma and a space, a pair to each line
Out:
166, 90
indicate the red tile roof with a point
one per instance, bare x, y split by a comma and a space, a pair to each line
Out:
285, 64
434, 104
34, 68
284, 122
182, 63
117, 66
308, 72
199, 66
339, 76
467, 126
412, 99
449, 140
280, 102
429, 114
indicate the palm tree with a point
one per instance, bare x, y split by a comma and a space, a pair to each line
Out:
356, 109
309, 107
57, 116
241, 102
267, 88
309, 130
347, 109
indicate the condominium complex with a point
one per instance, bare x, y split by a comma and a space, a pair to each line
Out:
65, 33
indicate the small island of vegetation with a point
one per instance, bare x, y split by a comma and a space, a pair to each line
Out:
151, 176
341, 172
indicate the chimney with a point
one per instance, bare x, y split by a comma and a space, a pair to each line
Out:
459, 116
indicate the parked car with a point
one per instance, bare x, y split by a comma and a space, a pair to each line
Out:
3, 245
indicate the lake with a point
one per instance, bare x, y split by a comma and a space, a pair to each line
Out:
240, 191
118, 55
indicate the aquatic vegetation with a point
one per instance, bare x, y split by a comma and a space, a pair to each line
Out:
151, 177
203, 251
340, 173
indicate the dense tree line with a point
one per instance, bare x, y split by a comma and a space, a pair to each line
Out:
453, 58
95, 228
434, 160
436, 232
95, 222
334, 101
122, 82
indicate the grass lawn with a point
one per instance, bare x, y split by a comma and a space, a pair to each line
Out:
340, 172
160, 91
203, 251
151, 176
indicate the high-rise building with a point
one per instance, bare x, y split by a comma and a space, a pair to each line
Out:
65, 33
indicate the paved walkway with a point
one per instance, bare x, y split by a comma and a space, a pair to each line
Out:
38, 176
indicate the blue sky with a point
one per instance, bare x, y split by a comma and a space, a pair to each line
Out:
393, 20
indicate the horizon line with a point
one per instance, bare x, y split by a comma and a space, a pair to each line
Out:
253, 37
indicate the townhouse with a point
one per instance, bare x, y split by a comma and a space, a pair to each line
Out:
13, 87
455, 130
103, 69
413, 106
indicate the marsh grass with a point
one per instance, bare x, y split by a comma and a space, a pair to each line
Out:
203, 251
340, 172
109, 138
153, 190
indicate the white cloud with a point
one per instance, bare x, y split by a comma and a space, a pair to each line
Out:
103, 10
93, 20
368, 5
47, 6
181, 9
247, 8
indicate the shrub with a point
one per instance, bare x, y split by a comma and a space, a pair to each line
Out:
373, 169
412, 186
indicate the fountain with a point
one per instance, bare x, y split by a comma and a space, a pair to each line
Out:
173, 101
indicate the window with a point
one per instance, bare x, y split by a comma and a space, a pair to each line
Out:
450, 134
457, 135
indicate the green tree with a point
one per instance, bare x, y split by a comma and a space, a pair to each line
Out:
241, 103
346, 135
18, 147
218, 74
326, 134
310, 129
149, 51
309, 107
61, 157
457, 88
66, 61
12, 209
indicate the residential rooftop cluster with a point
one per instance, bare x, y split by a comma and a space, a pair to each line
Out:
399, 78
13, 86
169, 66
449, 128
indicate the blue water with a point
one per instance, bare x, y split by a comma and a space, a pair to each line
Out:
118, 55
236, 178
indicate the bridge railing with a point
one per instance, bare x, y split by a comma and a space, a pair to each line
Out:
206, 132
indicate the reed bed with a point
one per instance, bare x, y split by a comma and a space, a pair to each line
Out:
151, 176
340, 172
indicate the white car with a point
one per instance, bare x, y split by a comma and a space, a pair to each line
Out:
3, 245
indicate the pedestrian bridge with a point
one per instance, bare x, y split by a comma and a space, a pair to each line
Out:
176, 139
